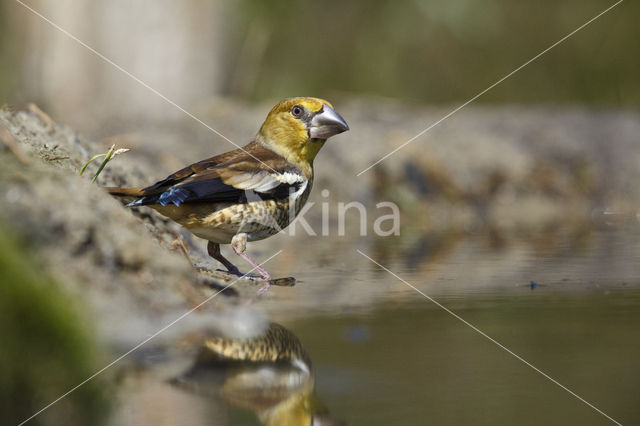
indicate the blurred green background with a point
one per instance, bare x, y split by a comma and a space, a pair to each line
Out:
423, 51
431, 51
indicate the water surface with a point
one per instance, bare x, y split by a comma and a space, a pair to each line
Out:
566, 301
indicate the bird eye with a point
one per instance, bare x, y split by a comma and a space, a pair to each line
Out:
297, 111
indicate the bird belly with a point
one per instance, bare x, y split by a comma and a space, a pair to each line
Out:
219, 224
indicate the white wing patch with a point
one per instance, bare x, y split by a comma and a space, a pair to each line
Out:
290, 178
264, 181
300, 190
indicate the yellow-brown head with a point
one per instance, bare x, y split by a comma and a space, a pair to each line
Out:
297, 128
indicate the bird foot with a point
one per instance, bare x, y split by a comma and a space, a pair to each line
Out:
254, 277
264, 275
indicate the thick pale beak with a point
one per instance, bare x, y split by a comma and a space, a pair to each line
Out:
326, 123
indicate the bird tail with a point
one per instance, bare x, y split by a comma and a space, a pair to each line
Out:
133, 196
125, 192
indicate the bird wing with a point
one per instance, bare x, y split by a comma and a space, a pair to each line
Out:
238, 176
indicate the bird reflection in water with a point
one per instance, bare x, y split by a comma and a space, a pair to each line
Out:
270, 375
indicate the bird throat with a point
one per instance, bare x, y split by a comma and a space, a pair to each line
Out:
311, 149
301, 157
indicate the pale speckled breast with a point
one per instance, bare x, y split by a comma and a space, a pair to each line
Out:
258, 219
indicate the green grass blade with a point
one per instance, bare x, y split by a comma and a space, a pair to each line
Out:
104, 163
95, 157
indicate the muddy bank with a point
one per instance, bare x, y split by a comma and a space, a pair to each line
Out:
125, 269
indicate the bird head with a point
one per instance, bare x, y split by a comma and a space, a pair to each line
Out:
297, 128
